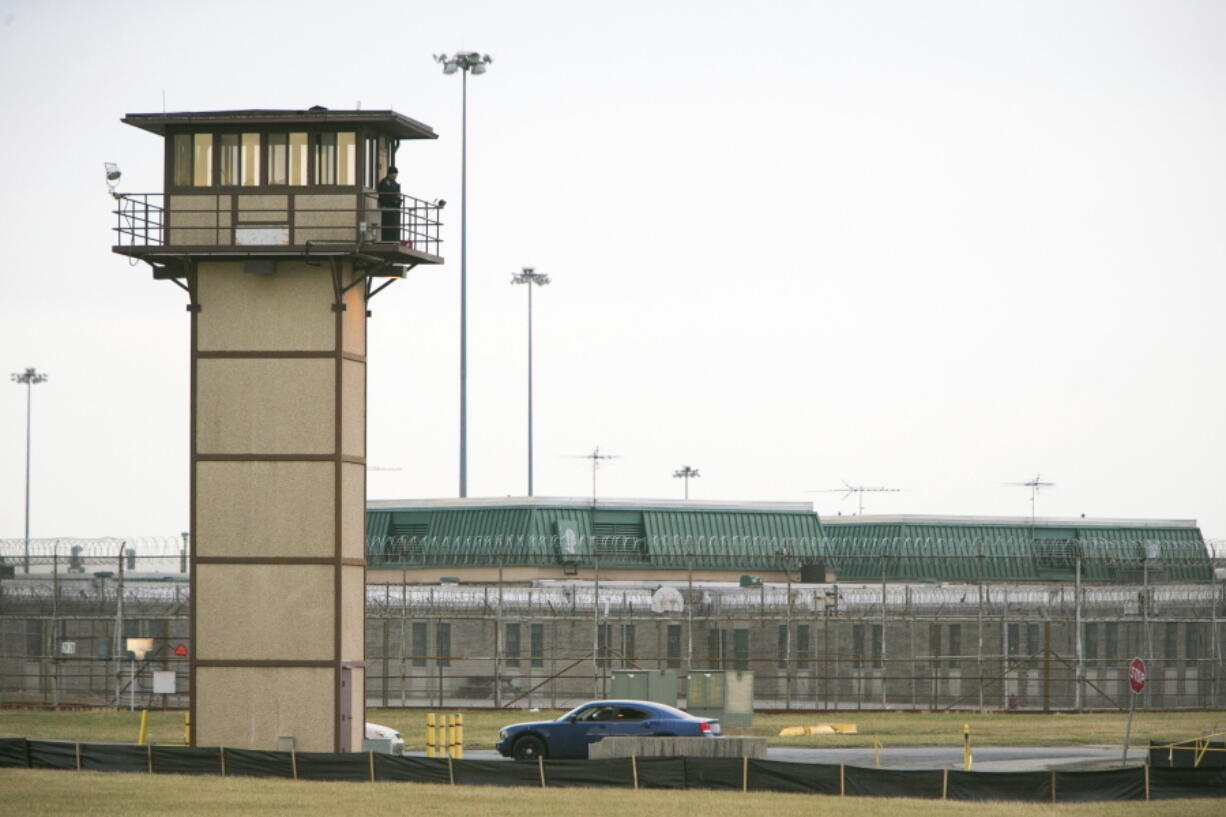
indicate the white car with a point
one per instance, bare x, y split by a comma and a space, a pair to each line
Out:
376, 731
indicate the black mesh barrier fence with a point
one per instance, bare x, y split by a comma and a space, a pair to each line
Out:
1188, 755
114, 757
352, 766
660, 772
923, 783
258, 763
495, 773
1167, 784
413, 769
715, 773
1092, 787
614, 772
186, 760
798, 778
14, 752
1032, 787
53, 754
1133, 783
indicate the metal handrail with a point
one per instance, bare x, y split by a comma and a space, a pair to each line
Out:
144, 220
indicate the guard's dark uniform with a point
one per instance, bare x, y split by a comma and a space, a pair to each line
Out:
389, 203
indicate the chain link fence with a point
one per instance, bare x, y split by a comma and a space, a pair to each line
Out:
900, 643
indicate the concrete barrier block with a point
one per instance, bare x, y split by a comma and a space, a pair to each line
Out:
677, 747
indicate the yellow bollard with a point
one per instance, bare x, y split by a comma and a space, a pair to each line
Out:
450, 733
877, 752
459, 735
144, 728
966, 747
429, 734
187, 728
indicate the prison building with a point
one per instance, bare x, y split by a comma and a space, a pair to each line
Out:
528, 538
979, 548
517, 539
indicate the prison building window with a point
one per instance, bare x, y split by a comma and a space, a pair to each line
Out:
370, 165
1170, 645
1034, 645
1191, 643
420, 647
325, 158
1091, 641
536, 644
278, 158
740, 649
627, 643
715, 648
1111, 645
193, 160
604, 634
619, 534
878, 644
1014, 637
510, 647
955, 644
857, 645
672, 649
442, 643
802, 646
783, 646
228, 159
250, 160
346, 158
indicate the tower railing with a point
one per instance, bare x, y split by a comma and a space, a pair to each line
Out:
262, 220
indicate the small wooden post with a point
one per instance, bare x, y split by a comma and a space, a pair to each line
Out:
372, 765
842, 781
540, 767
944, 784
78, 757
221, 750
634, 769
149, 756
293, 762
1146, 767
450, 771
745, 773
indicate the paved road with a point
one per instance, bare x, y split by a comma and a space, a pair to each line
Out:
987, 758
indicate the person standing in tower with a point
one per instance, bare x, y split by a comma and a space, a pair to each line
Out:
389, 204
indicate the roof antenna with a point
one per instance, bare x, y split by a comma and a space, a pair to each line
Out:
595, 457
860, 490
1035, 485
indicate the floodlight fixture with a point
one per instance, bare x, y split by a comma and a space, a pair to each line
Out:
686, 473
113, 173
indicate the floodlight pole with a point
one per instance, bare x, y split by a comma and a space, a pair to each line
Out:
686, 473
29, 378
531, 278
463, 61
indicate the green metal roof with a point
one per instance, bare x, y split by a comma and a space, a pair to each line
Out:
645, 534
960, 548
622, 533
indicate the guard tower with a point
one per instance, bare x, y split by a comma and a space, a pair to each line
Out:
272, 223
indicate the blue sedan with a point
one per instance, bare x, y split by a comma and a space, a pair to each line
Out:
571, 734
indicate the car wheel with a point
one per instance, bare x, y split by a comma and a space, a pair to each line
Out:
529, 747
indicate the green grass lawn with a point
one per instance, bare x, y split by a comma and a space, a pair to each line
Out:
45, 793
891, 728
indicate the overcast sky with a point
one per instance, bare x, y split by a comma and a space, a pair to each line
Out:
932, 246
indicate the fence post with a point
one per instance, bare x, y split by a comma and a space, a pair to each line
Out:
540, 768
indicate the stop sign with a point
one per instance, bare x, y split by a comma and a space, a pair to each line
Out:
1136, 674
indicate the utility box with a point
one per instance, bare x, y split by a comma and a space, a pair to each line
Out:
723, 694
659, 685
